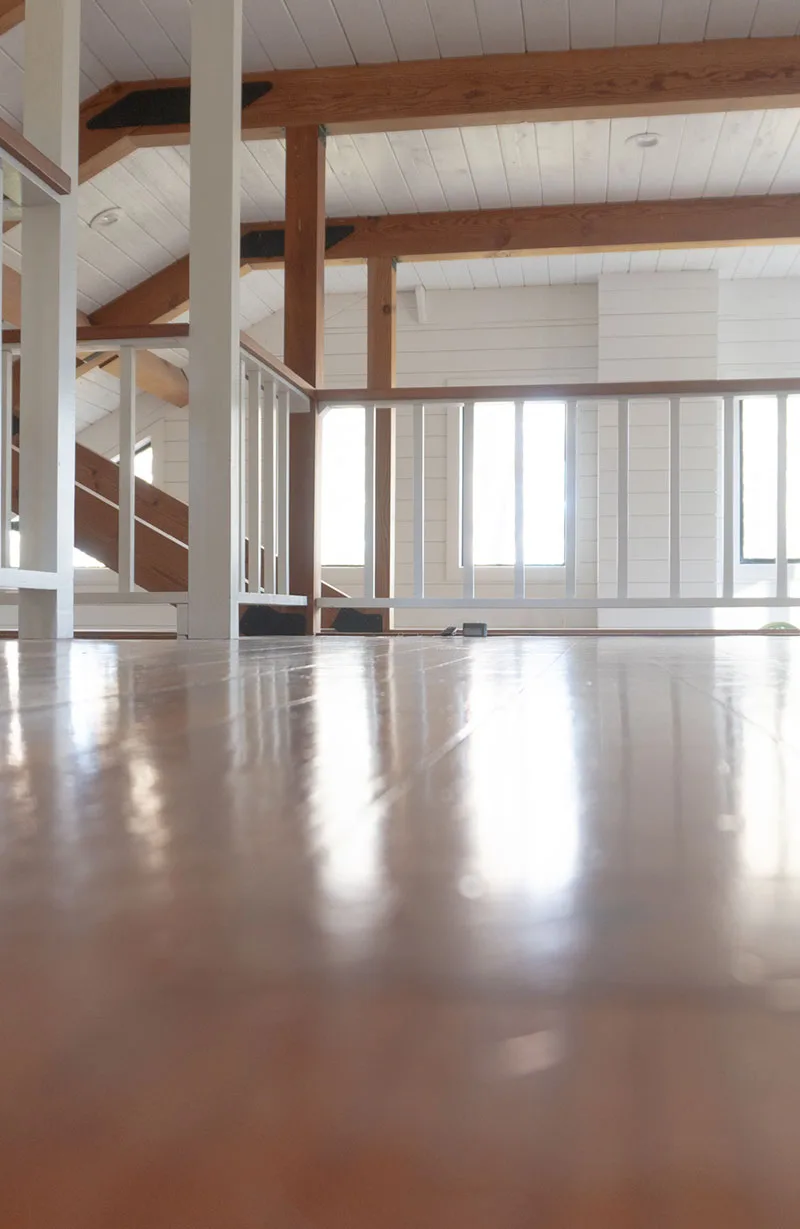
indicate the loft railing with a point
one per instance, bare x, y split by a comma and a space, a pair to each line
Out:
617, 582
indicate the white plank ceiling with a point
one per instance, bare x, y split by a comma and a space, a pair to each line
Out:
128, 40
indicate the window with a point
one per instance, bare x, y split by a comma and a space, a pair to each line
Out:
343, 500
544, 470
759, 464
142, 461
79, 559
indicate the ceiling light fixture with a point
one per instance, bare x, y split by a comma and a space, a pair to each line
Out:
105, 218
644, 140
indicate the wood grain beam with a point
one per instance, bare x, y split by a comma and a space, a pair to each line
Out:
382, 373
660, 79
304, 319
555, 229
12, 12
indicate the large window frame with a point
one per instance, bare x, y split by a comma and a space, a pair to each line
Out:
486, 574
749, 561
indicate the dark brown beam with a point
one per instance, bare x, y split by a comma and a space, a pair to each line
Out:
660, 79
27, 155
304, 319
382, 373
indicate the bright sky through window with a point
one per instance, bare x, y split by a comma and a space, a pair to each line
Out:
343, 499
759, 478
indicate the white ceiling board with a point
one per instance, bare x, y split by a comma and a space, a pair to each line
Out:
414, 158
547, 25
591, 23
770, 147
501, 26
278, 34
346, 166
411, 29
449, 156
366, 31
683, 21
787, 178
701, 135
737, 136
624, 160
148, 38
109, 45
554, 144
562, 270
730, 18
637, 21
521, 159
590, 146
775, 18
456, 25
658, 173
382, 166
321, 30
486, 165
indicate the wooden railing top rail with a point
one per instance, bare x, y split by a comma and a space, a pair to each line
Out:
559, 392
273, 364
32, 162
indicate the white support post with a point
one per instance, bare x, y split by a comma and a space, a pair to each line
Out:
255, 470
243, 476
571, 515
519, 499
468, 499
214, 430
781, 557
49, 304
6, 459
623, 415
419, 500
674, 497
369, 501
127, 476
283, 491
728, 496
269, 406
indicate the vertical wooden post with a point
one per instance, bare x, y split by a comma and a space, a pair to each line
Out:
214, 363
382, 373
49, 294
304, 339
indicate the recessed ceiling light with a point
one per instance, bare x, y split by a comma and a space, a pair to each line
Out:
644, 140
105, 218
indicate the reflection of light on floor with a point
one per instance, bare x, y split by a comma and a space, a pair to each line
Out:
528, 1055
15, 752
346, 825
522, 798
145, 814
93, 694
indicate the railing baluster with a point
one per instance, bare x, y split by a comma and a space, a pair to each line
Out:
283, 491
519, 498
468, 499
127, 473
571, 494
623, 453
419, 500
674, 496
254, 471
269, 402
781, 557
6, 460
369, 501
728, 495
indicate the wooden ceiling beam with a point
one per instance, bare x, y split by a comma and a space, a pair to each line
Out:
12, 12
542, 230
659, 79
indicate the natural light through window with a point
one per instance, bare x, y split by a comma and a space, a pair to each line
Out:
343, 500
544, 438
759, 441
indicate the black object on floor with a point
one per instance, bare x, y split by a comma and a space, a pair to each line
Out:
476, 629
348, 620
265, 621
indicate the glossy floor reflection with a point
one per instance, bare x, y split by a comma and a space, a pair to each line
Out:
400, 934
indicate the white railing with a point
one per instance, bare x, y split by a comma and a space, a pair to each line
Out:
26, 177
267, 399
616, 582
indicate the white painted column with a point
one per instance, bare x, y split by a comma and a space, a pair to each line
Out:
268, 473
6, 436
369, 501
214, 363
127, 476
49, 304
255, 405
468, 500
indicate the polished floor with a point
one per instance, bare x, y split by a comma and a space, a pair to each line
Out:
400, 934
